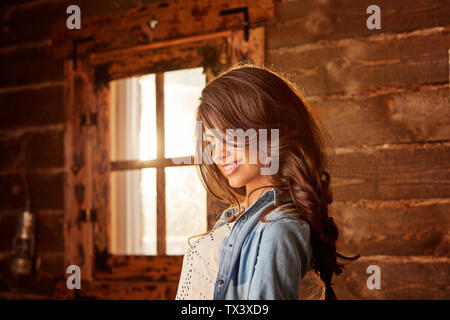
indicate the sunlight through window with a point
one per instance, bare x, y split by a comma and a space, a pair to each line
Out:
134, 137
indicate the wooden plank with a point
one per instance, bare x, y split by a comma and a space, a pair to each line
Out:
101, 196
394, 227
30, 23
391, 173
306, 21
13, 193
32, 67
23, 149
387, 117
401, 278
19, 110
141, 268
34, 21
363, 65
253, 50
203, 53
52, 156
79, 98
125, 290
173, 23
101, 58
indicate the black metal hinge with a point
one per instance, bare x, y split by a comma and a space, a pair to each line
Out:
89, 119
239, 10
88, 215
76, 42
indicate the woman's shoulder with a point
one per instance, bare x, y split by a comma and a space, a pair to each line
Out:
286, 212
284, 219
286, 235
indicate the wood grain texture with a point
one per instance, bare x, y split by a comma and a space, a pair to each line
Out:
401, 278
399, 116
32, 67
23, 149
173, 23
100, 140
391, 173
359, 65
125, 290
307, 21
142, 268
45, 189
192, 55
394, 227
79, 98
19, 109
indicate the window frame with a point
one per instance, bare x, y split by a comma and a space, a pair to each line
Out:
87, 159
159, 163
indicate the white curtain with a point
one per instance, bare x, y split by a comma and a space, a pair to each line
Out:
126, 218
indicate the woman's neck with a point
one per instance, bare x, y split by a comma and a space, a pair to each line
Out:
258, 182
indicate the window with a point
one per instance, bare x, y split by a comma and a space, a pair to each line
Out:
156, 204
109, 68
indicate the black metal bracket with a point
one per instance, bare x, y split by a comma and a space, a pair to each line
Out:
239, 10
88, 215
89, 119
75, 43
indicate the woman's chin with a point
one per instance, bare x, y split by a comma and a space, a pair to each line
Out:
235, 182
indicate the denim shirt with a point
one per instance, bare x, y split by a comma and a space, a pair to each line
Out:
263, 260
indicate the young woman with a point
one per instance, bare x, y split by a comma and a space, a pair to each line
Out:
277, 226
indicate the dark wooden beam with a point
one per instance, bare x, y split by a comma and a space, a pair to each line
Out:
121, 30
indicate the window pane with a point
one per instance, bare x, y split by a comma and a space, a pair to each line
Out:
182, 90
185, 207
133, 118
133, 212
148, 201
148, 117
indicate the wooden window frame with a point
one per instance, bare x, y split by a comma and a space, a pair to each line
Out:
87, 141
159, 163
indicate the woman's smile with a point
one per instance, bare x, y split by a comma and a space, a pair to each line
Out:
230, 168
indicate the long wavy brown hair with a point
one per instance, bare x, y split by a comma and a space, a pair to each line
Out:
249, 96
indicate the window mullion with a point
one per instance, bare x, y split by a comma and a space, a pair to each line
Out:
160, 177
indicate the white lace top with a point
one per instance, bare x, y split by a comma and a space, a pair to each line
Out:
200, 266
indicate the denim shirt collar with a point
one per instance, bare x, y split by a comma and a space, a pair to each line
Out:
274, 196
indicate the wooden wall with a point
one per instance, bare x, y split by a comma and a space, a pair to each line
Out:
383, 95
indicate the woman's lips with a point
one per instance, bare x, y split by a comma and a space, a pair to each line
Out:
230, 168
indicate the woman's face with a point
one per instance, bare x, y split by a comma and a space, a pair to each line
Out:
234, 162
